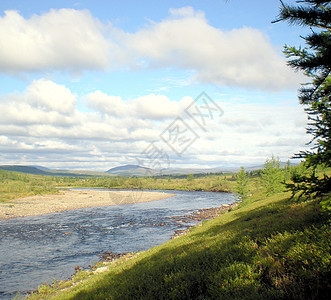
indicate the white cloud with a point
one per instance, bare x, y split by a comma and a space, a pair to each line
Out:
107, 104
244, 136
156, 107
51, 96
43, 102
4, 140
151, 107
239, 57
68, 39
59, 39
186, 11
36, 130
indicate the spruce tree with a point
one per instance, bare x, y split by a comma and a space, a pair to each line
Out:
242, 182
272, 177
315, 61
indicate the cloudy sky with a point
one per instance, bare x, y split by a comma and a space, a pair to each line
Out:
96, 84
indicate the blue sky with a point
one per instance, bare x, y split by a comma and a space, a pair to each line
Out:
93, 84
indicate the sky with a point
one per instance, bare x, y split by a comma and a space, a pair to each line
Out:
165, 84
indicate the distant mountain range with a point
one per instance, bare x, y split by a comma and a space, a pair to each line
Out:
38, 170
125, 170
136, 170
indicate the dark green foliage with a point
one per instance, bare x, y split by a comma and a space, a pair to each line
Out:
315, 61
310, 185
242, 182
272, 176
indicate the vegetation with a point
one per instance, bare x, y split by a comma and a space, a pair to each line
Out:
272, 176
314, 61
14, 185
188, 183
273, 246
269, 248
242, 181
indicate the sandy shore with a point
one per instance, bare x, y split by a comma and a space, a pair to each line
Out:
74, 199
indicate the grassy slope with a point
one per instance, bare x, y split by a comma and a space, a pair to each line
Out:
270, 248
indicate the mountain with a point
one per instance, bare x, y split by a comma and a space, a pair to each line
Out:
25, 169
39, 167
125, 170
131, 170
136, 170
36, 170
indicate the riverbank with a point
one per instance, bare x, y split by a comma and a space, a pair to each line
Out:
74, 199
109, 259
268, 248
14, 185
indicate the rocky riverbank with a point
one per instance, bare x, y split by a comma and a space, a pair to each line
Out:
181, 221
198, 216
184, 223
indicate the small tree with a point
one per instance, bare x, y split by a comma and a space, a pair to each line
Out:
288, 170
272, 176
190, 177
242, 181
315, 61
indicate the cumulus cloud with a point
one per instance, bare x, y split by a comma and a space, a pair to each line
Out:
51, 96
43, 102
239, 57
68, 39
104, 103
35, 130
155, 107
59, 39
252, 132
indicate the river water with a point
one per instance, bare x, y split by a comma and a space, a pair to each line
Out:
39, 249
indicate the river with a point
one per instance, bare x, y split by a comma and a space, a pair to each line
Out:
39, 249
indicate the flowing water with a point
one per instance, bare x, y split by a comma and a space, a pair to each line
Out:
39, 249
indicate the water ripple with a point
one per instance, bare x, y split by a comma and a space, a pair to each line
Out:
38, 249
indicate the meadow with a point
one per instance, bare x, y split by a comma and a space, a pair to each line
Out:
273, 246
211, 182
15, 185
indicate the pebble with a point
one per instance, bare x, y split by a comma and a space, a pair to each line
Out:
198, 216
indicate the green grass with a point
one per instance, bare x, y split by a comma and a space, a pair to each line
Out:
271, 247
204, 183
268, 248
14, 185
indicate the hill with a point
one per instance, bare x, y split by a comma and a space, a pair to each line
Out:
36, 170
131, 170
27, 169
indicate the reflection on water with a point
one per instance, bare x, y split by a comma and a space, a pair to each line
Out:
39, 249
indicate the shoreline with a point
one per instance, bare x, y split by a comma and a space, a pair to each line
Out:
107, 258
74, 199
198, 216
